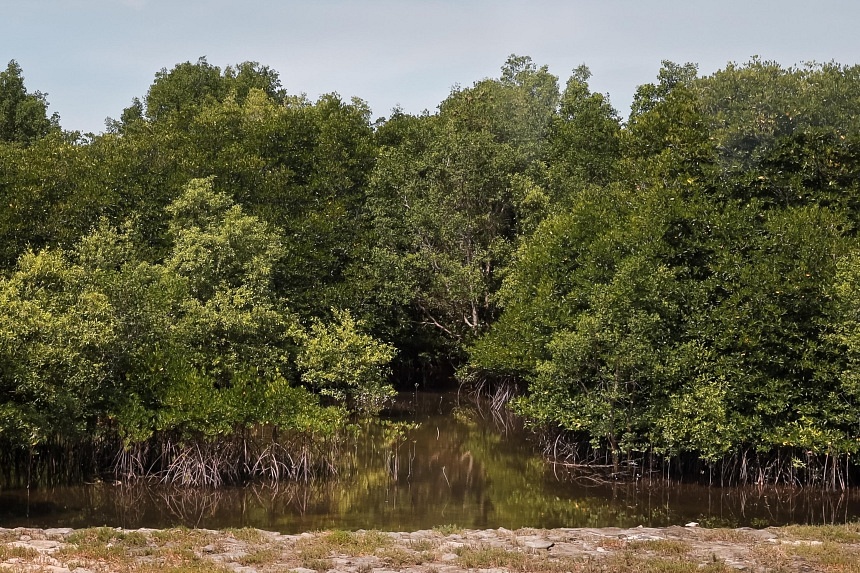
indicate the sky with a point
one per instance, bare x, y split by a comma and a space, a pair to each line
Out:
93, 56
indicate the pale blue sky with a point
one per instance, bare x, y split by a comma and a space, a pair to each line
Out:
93, 56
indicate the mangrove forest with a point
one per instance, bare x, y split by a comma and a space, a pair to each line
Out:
230, 279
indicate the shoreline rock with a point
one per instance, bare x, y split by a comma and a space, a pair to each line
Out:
64, 550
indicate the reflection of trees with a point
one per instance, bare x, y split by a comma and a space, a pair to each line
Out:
141, 503
760, 506
522, 491
191, 506
129, 503
513, 497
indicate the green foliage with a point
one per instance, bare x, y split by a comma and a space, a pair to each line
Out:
346, 364
95, 342
183, 89
445, 194
23, 116
217, 247
547, 282
55, 349
585, 136
179, 93
690, 307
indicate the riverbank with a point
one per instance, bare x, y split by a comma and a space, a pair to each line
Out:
442, 550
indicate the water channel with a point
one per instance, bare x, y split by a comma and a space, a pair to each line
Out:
451, 464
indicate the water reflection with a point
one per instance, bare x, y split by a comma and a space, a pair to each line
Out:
432, 463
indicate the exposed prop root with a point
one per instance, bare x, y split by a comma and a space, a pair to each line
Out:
497, 392
789, 467
254, 455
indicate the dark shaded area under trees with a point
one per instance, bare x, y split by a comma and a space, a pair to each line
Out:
235, 271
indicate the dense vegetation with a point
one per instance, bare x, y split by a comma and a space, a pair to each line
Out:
213, 285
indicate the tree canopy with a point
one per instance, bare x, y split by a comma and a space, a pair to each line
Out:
23, 115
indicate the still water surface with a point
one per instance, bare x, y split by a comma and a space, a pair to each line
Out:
454, 465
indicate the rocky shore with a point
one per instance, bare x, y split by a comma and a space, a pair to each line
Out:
442, 550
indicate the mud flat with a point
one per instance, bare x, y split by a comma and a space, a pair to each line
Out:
443, 550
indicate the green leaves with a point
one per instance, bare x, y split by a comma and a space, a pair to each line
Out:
98, 343
446, 194
690, 307
57, 335
23, 116
217, 246
605, 368
346, 364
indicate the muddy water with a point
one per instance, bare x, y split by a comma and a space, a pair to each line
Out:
433, 463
